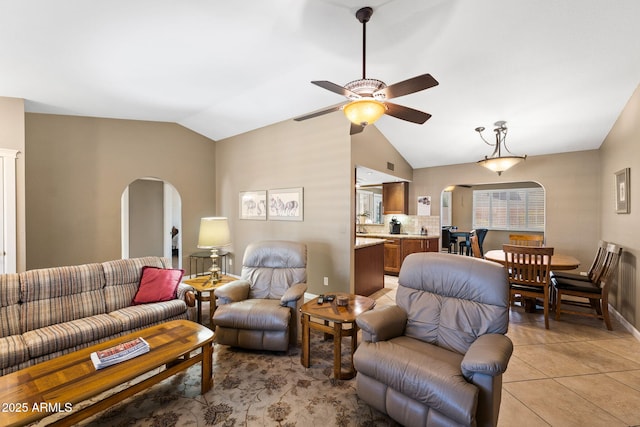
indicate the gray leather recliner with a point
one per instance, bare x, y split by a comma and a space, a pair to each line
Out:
436, 358
261, 310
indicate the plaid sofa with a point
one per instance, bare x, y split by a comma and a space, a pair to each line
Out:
48, 312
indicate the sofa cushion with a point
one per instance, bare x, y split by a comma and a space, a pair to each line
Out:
60, 294
9, 305
261, 314
426, 373
62, 336
137, 316
13, 351
157, 284
122, 278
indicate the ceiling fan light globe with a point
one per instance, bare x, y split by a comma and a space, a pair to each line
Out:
364, 111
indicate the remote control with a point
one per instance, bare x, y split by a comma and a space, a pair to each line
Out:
320, 299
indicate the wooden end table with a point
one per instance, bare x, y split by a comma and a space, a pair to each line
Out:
202, 287
57, 384
341, 317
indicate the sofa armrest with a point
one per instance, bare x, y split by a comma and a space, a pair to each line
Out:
238, 290
382, 323
294, 293
488, 355
185, 292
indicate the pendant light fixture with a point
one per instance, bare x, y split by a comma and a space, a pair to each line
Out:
496, 161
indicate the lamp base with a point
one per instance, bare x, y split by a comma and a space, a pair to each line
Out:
214, 270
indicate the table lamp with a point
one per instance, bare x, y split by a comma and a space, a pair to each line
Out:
214, 233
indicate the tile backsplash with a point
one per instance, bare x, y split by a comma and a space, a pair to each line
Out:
411, 224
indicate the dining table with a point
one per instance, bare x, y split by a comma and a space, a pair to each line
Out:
558, 261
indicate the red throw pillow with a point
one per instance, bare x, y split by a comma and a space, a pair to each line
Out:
157, 284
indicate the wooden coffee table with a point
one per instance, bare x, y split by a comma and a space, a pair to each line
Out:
202, 285
57, 384
341, 317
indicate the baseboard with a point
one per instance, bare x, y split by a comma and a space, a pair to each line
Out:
628, 326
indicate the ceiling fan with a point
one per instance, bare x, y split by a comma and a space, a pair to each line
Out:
367, 98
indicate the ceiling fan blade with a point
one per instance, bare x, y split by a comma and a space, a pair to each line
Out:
415, 84
318, 113
336, 89
355, 129
406, 113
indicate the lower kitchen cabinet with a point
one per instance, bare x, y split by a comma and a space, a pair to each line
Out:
392, 256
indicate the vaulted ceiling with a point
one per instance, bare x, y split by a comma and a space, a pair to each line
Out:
559, 72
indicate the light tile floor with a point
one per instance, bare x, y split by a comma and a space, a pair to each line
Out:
577, 373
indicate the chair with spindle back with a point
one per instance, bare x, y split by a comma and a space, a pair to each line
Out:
528, 269
596, 292
526, 239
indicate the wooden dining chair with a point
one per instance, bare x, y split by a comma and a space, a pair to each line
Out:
595, 270
526, 239
475, 246
528, 269
595, 292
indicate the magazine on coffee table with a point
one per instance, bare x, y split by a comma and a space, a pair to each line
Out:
119, 353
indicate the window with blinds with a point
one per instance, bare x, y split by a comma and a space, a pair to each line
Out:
519, 209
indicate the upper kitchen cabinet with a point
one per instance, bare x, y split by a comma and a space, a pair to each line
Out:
395, 198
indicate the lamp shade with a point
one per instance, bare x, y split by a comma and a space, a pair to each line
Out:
214, 232
364, 111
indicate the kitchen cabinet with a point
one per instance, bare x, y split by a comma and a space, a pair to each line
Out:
410, 246
392, 256
395, 198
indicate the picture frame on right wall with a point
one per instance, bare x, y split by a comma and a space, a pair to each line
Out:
622, 179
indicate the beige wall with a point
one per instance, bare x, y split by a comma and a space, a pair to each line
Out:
314, 154
12, 137
572, 187
621, 149
77, 169
372, 149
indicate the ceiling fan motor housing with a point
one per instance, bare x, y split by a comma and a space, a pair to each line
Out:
367, 87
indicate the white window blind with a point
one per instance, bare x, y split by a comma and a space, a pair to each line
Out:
513, 209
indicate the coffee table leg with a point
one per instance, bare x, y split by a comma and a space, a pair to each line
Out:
304, 357
207, 368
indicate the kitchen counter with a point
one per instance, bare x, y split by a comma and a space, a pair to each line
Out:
397, 236
363, 242
369, 265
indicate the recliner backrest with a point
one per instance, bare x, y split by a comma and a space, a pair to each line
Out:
273, 266
451, 300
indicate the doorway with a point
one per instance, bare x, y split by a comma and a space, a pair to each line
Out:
151, 220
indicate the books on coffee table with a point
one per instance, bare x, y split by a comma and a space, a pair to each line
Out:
119, 353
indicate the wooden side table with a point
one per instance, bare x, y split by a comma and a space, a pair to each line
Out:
341, 317
202, 287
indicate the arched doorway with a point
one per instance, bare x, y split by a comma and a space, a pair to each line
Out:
151, 212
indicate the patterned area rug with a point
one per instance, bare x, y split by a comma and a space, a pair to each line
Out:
251, 389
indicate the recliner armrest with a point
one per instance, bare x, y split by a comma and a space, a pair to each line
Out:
488, 355
238, 290
382, 324
294, 293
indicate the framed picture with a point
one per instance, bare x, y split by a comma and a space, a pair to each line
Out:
253, 205
622, 191
286, 204
424, 205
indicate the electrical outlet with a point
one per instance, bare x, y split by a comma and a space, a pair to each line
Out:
230, 262
326, 281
